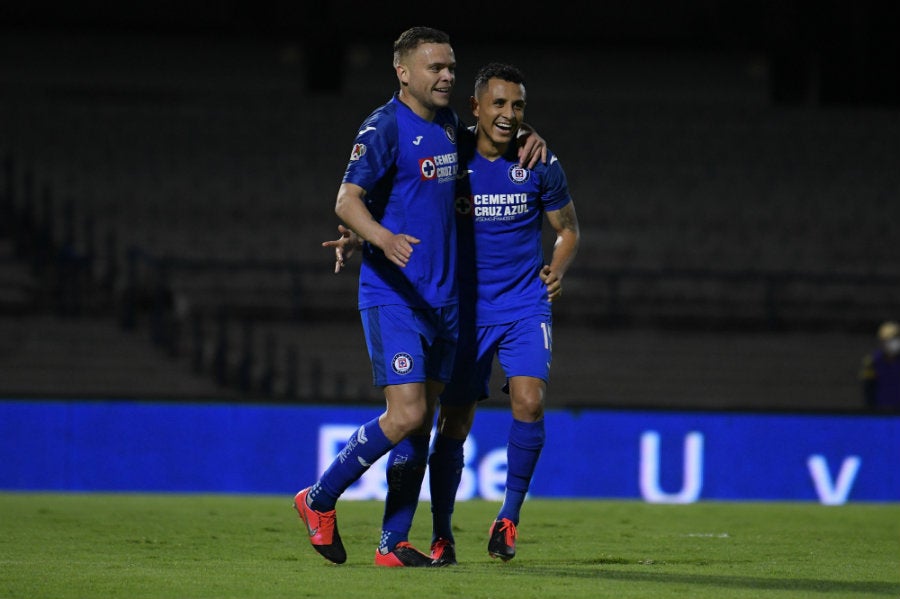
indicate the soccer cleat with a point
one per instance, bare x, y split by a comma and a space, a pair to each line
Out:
503, 539
404, 555
322, 529
443, 553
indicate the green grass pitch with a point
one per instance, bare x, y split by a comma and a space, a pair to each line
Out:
220, 546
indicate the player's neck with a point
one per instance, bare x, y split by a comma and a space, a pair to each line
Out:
488, 149
417, 107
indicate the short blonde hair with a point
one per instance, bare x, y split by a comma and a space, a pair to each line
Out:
410, 39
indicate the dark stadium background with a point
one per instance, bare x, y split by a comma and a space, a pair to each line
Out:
169, 171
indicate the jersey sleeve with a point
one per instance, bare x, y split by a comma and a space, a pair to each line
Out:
554, 185
374, 151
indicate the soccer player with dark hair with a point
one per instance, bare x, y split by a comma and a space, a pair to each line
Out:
506, 289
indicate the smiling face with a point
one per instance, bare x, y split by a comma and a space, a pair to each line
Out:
499, 109
427, 74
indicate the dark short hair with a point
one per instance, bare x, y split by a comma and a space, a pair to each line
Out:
497, 70
410, 39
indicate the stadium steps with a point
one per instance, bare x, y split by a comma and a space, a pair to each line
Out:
698, 370
18, 287
50, 357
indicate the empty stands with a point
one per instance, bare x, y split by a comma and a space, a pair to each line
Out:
199, 178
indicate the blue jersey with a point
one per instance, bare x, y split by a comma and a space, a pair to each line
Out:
408, 167
500, 208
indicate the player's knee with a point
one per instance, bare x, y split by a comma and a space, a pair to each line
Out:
406, 420
528, 405
455, 421
457, 428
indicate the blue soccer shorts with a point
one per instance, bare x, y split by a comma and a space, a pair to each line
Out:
523, 348
410, 345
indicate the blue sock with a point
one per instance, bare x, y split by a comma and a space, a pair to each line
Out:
405, 471
526, 439
445, 466
363, 449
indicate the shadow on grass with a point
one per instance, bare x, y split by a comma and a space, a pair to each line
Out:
873, 587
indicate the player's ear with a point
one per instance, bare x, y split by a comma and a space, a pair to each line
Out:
402, 74
473, 104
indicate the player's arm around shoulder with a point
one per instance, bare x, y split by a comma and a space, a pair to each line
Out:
532, 148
